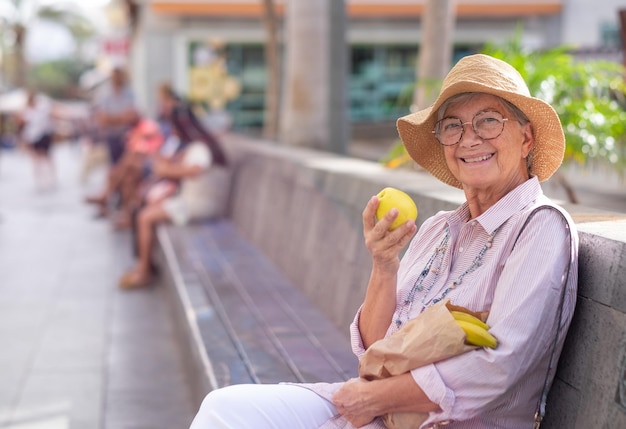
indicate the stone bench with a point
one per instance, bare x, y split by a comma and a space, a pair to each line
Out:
292, 246
245, 322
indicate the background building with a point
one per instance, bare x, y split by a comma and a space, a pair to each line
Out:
175, 37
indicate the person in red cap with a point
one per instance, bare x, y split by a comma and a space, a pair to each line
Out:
143, 141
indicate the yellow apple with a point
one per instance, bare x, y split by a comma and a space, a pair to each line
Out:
391, 197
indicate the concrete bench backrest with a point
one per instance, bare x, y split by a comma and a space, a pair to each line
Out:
303, 209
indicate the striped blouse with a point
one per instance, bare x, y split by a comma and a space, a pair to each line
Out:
519, 284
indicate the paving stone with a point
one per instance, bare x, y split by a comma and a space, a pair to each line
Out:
75, 351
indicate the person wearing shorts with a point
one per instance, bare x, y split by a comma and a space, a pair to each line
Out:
36, 134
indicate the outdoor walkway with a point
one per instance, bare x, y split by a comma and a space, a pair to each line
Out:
75, 351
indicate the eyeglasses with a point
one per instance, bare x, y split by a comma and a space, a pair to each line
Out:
487, 124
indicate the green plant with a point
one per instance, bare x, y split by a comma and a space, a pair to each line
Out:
59, 79
588, 95
16, 25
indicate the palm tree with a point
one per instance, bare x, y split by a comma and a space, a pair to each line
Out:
435, 52
434, 61
314, 99
272, 60
19, 14
78, 25
14, 17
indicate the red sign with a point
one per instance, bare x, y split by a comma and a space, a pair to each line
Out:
116, 46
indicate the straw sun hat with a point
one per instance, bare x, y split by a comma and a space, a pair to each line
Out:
485, 74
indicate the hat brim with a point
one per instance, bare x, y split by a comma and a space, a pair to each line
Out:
415, 131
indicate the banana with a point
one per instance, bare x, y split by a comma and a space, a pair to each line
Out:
477, 336
459, 315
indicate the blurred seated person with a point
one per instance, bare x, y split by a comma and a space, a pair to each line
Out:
143, 140
171, 104
115, 112
200, 169
154, 188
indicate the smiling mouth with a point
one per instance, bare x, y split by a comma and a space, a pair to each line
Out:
477, 159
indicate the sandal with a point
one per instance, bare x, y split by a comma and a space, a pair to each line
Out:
102, 213
132, 280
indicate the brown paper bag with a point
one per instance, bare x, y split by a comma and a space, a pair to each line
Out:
432, 336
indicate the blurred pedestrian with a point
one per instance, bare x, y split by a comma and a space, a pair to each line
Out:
36, 133
115, 114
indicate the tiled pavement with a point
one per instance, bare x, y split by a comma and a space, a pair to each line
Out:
75, 351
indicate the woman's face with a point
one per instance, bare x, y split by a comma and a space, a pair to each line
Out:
497, 164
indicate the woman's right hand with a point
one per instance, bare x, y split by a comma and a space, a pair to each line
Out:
384, 245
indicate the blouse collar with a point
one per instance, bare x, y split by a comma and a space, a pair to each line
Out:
513, 202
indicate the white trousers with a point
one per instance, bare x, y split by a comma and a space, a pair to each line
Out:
263, 406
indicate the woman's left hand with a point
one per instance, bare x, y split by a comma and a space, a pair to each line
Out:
351, 402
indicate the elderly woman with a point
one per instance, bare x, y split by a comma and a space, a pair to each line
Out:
507, 250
